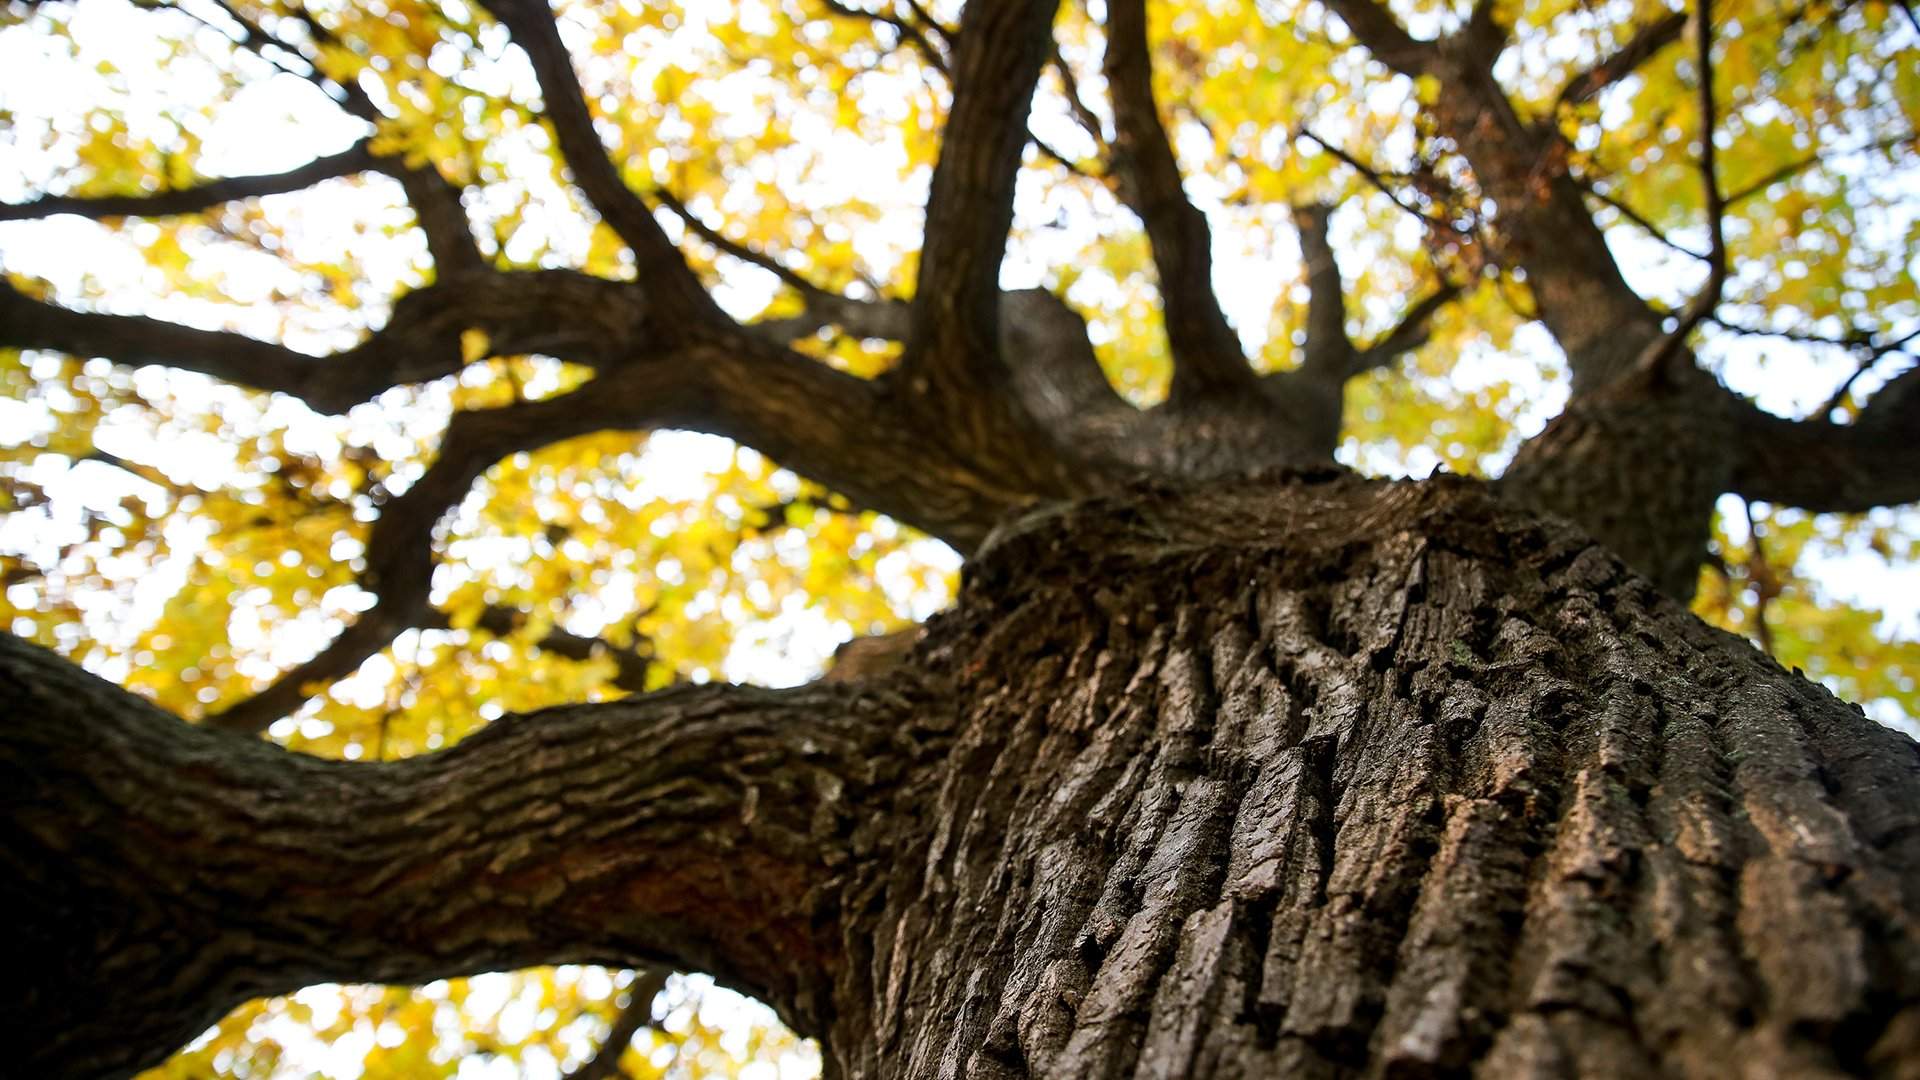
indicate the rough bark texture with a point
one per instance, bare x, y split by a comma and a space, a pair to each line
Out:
1298, 776
1380, 781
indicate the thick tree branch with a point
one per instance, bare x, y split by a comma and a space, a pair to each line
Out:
717, 819
1376, 28
1483, 37
952, 358
1640, 48
1207, 357
661, 268
1330, 355
1825, 467
437, 208
1544, 223
198, 197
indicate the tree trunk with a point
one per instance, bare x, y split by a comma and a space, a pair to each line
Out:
1300, 777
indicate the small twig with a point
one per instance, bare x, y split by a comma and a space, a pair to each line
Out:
1640, 220
1792, 168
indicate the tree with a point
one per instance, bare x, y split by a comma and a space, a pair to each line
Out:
1225, 761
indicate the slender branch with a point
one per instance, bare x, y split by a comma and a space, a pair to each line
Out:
1378, 181
399, 559
1703, 305
422, 341
1411, 332
1077, 106
648, 984
865, 318
197, 197
908, 32
661, 268
1207, 357
1640, 48
1627, 211
631, 663
1794, 168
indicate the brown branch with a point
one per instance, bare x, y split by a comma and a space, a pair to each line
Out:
1483, 36
1659, 352
1411, 332
1794, 168
1378, 180
1376, 28
421, 342
952, 369
438, 210
1207, 357
908, 32
660, 266
1330, 355
1825, 467
865, 318
1640, 48
648, 984
197, 197
1625, 210
718, 801
399, 552
631, 663
1070, 89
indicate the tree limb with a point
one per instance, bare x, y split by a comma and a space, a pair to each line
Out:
1376, 28
648, 984
399, 551
1640, 48
421, 341
1659, 352
1330, 355
1207, 357
952, 375
1793, 168
661, 268
197, 197
1825, 467
1411, 332
866, 318
712, 843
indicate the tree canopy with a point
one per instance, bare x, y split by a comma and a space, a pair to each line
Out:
373, 369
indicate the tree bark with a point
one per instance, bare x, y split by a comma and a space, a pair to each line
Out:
1302, 776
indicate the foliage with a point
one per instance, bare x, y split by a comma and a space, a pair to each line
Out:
192, 539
